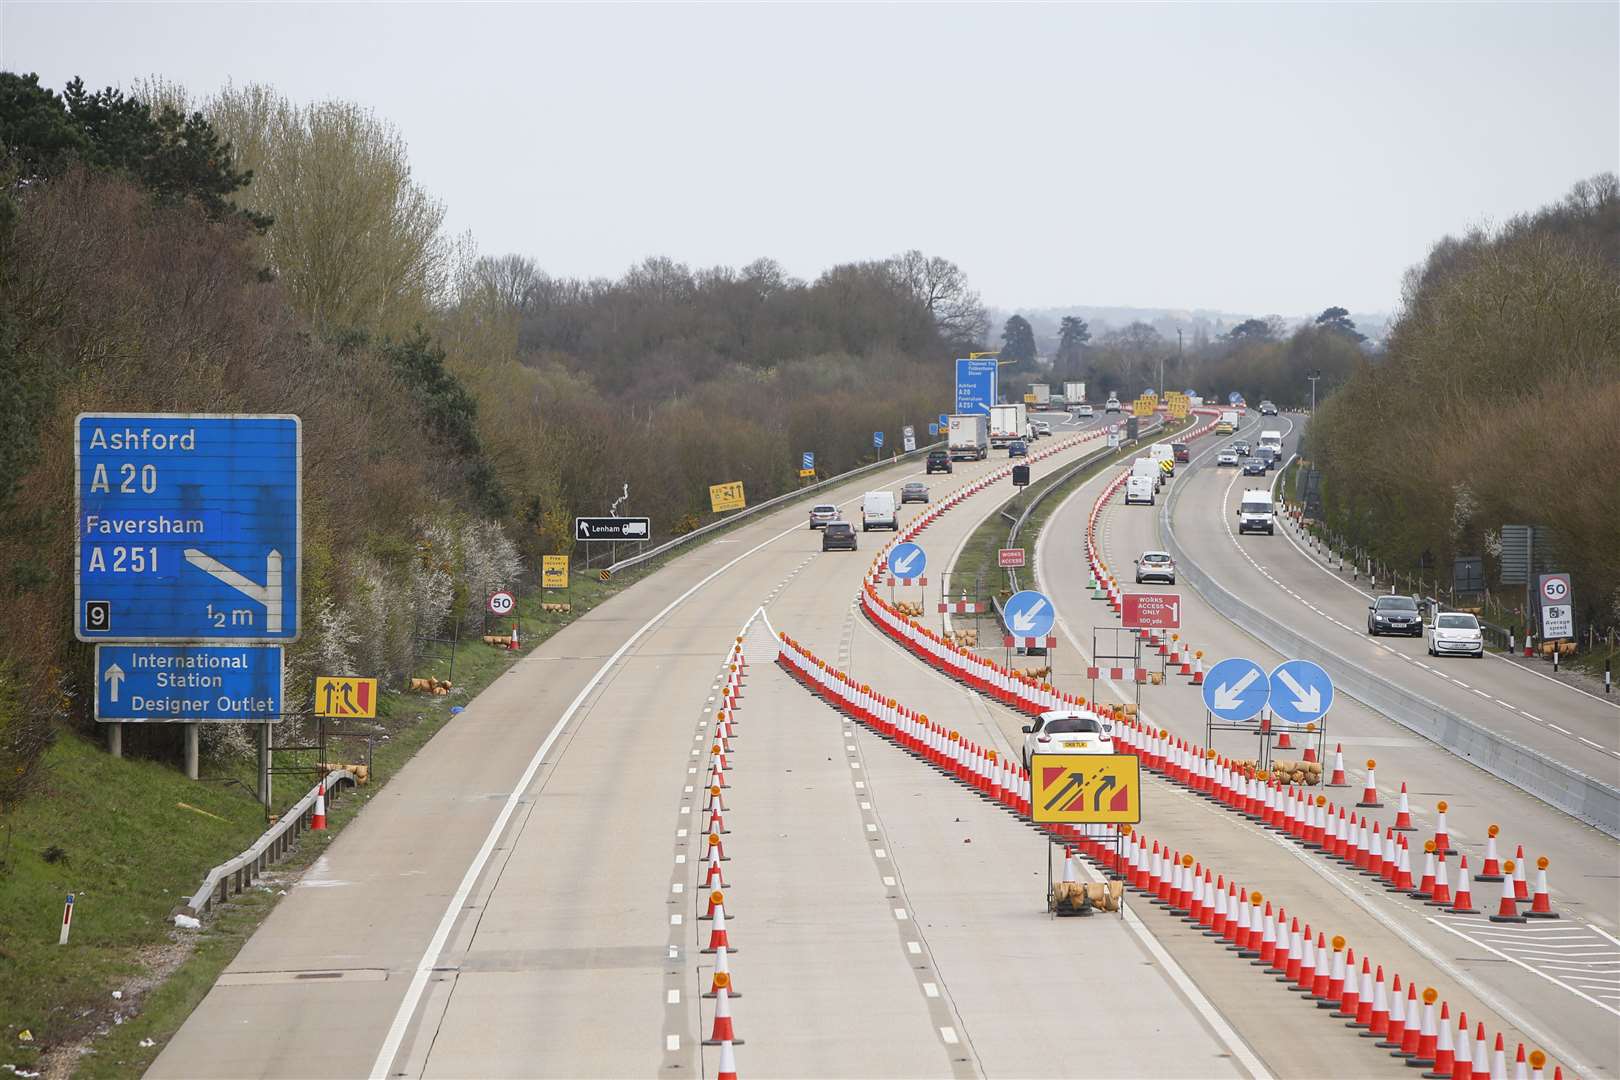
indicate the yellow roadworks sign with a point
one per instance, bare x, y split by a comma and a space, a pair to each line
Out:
806, 473
554, 571
1086, 789
345, 696
726, 496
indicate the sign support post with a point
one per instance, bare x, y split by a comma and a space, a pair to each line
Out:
192, 745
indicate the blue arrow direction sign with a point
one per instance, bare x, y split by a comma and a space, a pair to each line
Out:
188, 683
933, 428
1029, 614
975, 386
1301, 692
877, 439
944, 421
807, 461
1235, 689
907, 561
188, 527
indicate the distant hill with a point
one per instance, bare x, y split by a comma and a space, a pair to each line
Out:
1102, 319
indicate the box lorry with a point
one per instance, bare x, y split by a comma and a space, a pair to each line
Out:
1074, 393
968, 438
1043, 395
1008, 422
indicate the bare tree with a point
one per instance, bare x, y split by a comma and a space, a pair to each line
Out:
943, 289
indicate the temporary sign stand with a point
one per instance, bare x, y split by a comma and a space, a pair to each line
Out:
1118, 663
1067, 796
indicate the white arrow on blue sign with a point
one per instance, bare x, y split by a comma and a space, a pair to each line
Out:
807, 461
1301, 692
1029, 614
1236, 689
238, 683
877, 439
907, 561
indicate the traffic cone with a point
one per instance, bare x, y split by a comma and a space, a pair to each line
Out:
1538, 1061
717, 902
1464, 1067
1464, 902
512, 644
1283, 742
717, 823
1397, 1017
1445, 1055
1412, 1033
1499, 1059
1198, 672
714, 876
1482, 1057
1329, 984
1338, 777
1508, 910
1392, 856
717, 933
1296, 952
1268, 941
1349, 996
1369, 791
1541, 903
1361, 1014
716, 845
715, 799
1521, 892
1492, 870
1425, 887
728, 1063
1441, 897
1423, 1056
317, 820
1307, 965
724, 1031
1378, 1015
1403, 814
722, 976
1521, 1070
1442, 835
1310, 753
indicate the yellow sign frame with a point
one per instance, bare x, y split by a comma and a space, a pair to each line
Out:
345, 697
728, 496
1092, 774
554, 571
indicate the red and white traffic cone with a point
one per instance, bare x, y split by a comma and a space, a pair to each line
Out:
1357, 1007
717, 823
714, 877
1445, 1055
1508, 910
1428, 1034
722, 976
1378, 1014
1464, 1051
1403, 815
1395, 1028
1338, 778
717, 933
1425, 887
513, 644
1412, 1037
717, 902
1521, 891
1198, 672
716, 798
1482, 1054
1538, 1061
1441, 897
724, 1031
1283, 741
1521, 1069
1345, 1001
1492, 870
317, 820
1369, 792
1541, 902
1463, 904
1442, 835
1499, 1059
1328, 965
728, 1063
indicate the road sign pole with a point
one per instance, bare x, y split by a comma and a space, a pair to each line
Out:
265, 791
115, 740
191, 751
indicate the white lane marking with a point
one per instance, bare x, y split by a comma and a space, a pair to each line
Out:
674, 997
672, 1042
1534, 971
930, 990
900, 914
675, 920
1589, 742
949, 1035
441, 934
914, 948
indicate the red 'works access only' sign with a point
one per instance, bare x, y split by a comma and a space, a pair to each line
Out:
1010, 557
1151, 611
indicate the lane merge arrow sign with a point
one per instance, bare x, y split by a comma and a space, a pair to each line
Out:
1029, 614
907, 561
1301, 692
1236, 689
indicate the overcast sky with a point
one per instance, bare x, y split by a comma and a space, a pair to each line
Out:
1274, 158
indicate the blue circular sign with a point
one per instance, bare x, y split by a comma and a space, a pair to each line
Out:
1301, 692
1235, 689
907, 561
1029, 614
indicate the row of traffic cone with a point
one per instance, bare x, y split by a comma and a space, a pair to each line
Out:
722, 988
1321, 970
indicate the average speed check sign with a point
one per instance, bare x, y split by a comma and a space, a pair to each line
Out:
1557, 607
501, 603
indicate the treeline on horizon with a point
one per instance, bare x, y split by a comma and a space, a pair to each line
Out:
247, 253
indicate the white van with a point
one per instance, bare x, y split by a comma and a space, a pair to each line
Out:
1272, 439
1254, 512
1161, 453
1146, 466
877, 511
1139, 489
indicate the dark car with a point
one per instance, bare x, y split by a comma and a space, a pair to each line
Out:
1267, 456
1182, 451
915, 491
1254, 467
939, 461
838, 534
1017, 448
1394, 615
1241, 448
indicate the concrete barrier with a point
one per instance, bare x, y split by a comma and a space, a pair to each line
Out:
1559, 785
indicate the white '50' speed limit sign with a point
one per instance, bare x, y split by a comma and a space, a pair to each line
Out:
501, 603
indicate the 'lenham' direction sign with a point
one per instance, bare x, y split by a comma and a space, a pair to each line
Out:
188, 527
188, 683
612, 528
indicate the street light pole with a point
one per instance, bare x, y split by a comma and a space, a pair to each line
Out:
1313, 376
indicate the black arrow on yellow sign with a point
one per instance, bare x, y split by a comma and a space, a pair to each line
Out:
1105, 784
1076, 781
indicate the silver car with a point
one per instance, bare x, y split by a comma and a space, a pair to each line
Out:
914, 491
822, 514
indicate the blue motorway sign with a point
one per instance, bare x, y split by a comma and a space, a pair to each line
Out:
975, 386
1235, 689
933, 428
807, 461
188, 527
239, 683
907, 561
944, 422
1233, 398
1029, 614
1301, 692
877, 439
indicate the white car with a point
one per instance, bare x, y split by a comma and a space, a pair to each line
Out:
1085, 410
1226, 459
1065, 731
1455, 632
1041, 428
821, 514
1111, 405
